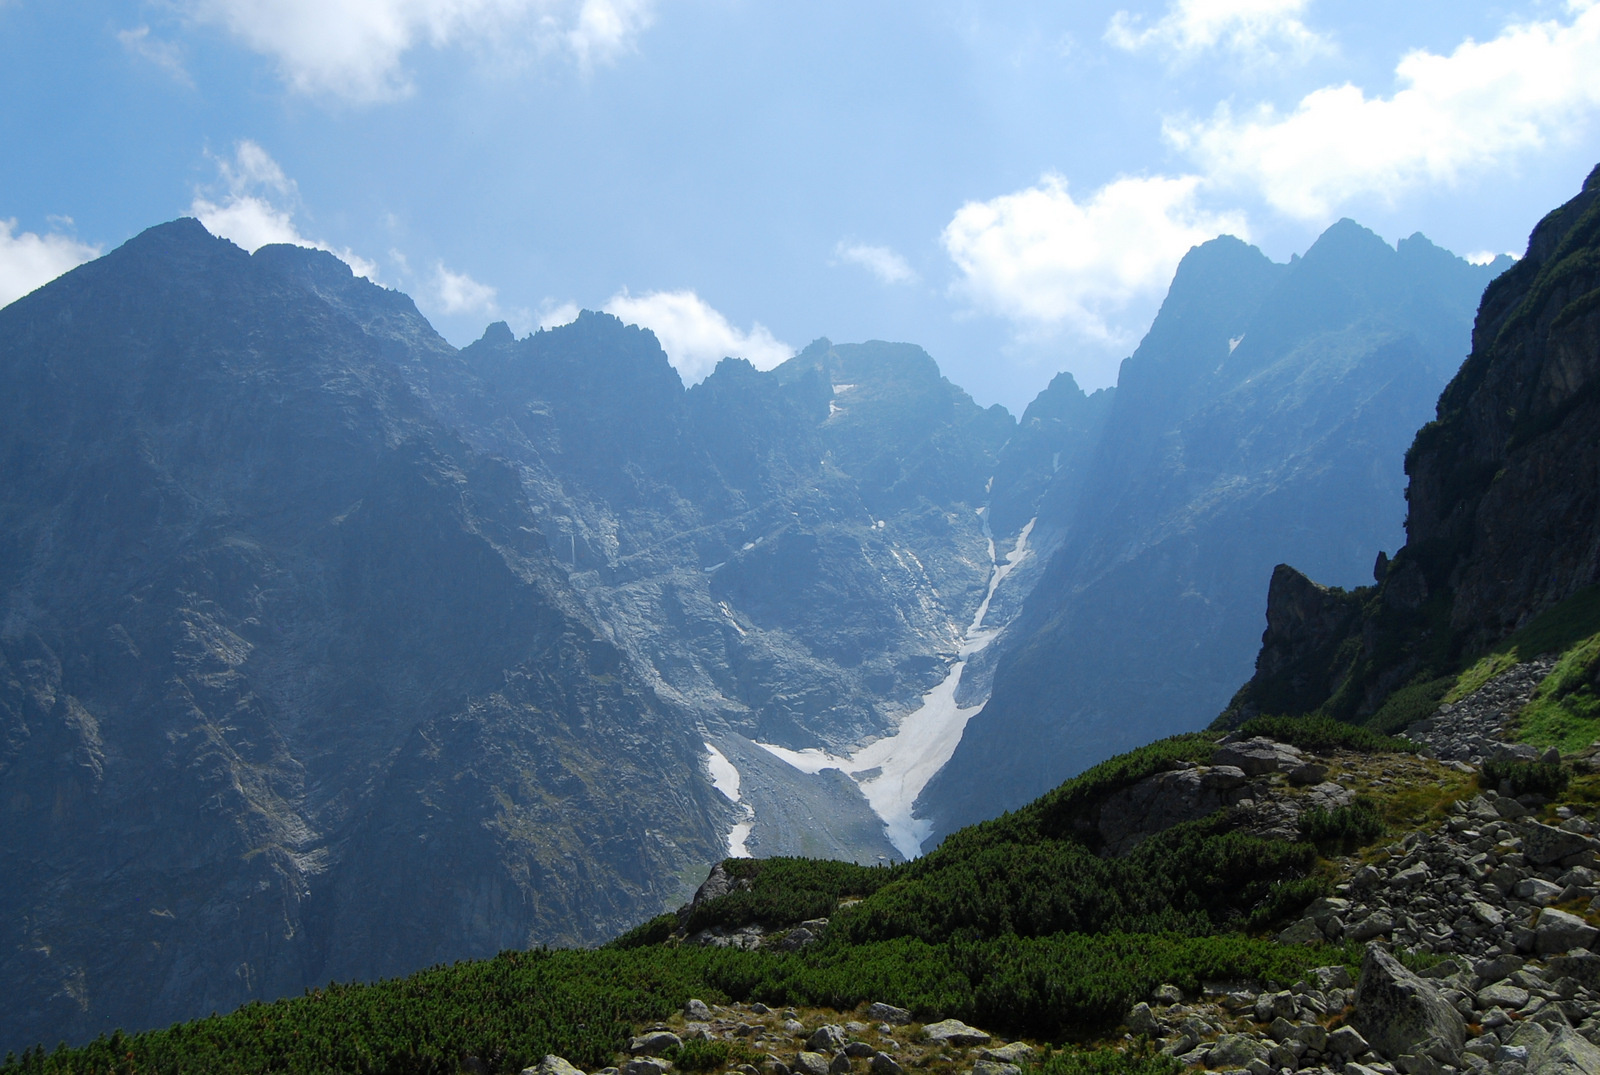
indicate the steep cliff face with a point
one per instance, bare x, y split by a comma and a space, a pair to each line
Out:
287, 686
1504, 498
1251, 425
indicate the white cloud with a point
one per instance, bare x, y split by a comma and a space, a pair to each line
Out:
29, 260
354, 48
1041, 256
552, 314
257, 205
458, 293
1482, 106
164, 54
880, 261
1257, 29
1484, 257
694, 335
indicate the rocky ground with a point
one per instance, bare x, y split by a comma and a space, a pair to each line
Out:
1491, 896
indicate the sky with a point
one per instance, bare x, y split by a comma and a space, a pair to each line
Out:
1010, 185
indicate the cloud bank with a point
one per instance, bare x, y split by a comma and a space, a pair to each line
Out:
256, 207
1480, 107
354, 49
28, 260
1044, 258
694, 335
882, 262
1253, 29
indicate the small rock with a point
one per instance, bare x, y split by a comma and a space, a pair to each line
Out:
809, 1063
884, 1064
994, 1067
954, 1032
697, 1010
1347, 1041
888, 1013
859, 1050
793, 1026
759, 1008
840, 1064
645, 1065
553, 1065
1502, 995
1017, 1052
1141, 1020
1536, 890
1305, 931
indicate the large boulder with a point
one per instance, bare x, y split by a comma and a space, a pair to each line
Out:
1557, 931
1400, 1013
1259, 756
1566, 1053
553, 1065
888, 1013
1544, 844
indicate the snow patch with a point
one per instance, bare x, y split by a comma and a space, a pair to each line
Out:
725, 778
1234, 342
894, 770
842, 388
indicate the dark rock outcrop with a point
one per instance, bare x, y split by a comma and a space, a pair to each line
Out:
1504, 498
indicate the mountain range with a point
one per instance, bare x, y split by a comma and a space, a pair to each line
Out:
329, 651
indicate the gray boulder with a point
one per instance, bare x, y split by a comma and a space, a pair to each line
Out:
884, 1064
888, 1013
697, 1010
1557, 931
954, 1032
654, 1043
1400, 1013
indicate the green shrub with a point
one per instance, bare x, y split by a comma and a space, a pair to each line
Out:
1325, 733
1565, 710
1415, 701
1524, 777
1342, 829
710, 1055
785, 892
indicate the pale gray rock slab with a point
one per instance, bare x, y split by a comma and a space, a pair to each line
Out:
888, 1013
954, 1032
1395, 1010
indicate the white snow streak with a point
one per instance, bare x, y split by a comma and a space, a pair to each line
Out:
896, 768
725, 778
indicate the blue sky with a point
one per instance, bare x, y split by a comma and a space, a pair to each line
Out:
1009, 185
